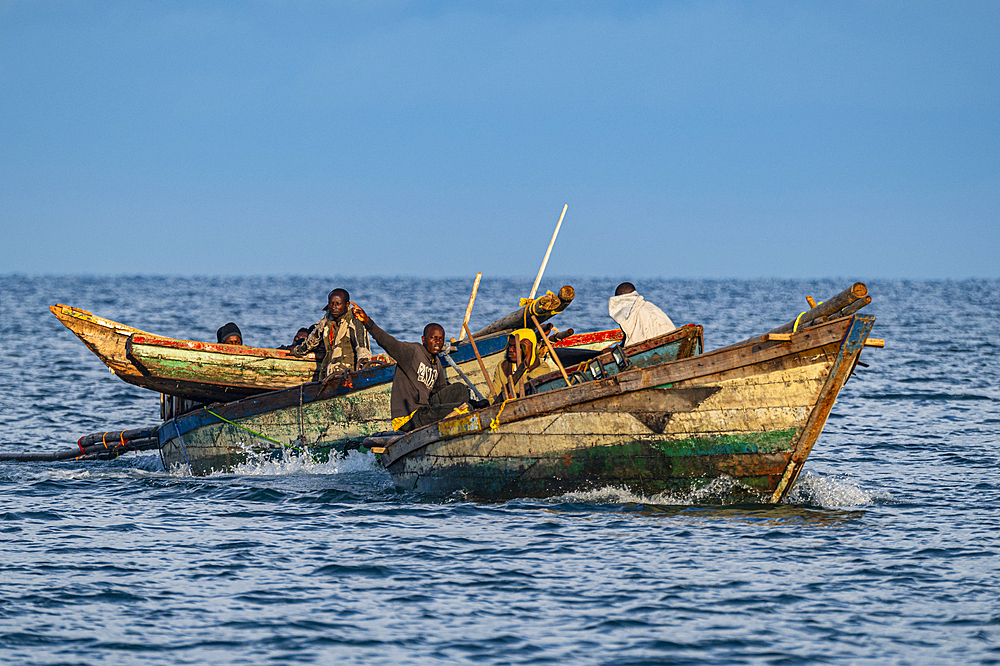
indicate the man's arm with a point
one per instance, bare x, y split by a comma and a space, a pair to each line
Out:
310, 343
442, 378
359, 338
399, 351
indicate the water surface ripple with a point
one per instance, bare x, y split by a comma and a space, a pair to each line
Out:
886, 551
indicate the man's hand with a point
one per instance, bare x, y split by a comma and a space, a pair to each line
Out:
334, 377
359, 314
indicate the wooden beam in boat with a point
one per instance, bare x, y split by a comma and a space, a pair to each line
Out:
543, 307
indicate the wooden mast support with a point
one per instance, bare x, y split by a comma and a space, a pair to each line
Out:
538, 278
468, 309
543, 307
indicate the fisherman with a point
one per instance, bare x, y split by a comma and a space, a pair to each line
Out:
512, 368
421, 394
639, 319
229, 335
300, 337
347, 345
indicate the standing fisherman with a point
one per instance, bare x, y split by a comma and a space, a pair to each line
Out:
347, 345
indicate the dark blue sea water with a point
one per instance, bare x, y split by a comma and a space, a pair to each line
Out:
888, 550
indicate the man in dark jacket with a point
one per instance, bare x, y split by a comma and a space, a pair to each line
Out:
421, 394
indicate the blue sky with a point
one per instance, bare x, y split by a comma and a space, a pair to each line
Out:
690, 139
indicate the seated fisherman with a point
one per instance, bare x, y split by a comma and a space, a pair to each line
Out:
347, 345
300, 337
229, 335
639, 319
514, 367
421, 393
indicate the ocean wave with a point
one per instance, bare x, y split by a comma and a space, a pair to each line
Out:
833, 492
293, 462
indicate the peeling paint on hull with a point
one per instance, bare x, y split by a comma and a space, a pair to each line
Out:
749, 412
646, 467
302, 417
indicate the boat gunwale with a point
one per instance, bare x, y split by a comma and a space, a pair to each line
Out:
153, 340
627, 381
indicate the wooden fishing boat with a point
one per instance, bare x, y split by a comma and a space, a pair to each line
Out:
306, 417
207, 372
199, 371
313, 418
752, 411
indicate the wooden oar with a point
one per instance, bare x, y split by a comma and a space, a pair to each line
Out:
552, 352
468, 309
482, 366
468, 382
534, 287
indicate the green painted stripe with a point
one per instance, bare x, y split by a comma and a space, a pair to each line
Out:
774, 441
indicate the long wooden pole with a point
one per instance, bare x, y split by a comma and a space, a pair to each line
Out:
468, 382
534, 287
552, 352
482, 366
521, 363
468, 309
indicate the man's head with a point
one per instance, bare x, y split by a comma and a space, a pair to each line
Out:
229, 335
300, 336
337, 302
527, 339
624, 288
433, 338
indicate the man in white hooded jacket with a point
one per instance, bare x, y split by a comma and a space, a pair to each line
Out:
639, 320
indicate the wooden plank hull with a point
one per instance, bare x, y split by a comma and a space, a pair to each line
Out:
199, 371
306, 417
751, 413
300, 419
106, 338
210, 372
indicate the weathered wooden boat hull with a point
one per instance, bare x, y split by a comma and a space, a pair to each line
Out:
199, 371
106, 338
303, 419
210, 372
750, 412
308, 418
